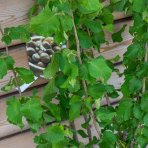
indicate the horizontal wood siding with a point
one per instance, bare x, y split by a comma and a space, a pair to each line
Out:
14, 13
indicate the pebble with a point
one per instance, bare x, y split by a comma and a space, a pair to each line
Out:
36, 57
31, 44
45, 58
46, 45
38, 43
57, 48
36, 39
30, 59
49, 51
30, 51
49, 40
41, 64
40, 52
37, 49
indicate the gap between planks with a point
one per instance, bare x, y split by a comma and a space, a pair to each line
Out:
108, 51
7, 129
14, 13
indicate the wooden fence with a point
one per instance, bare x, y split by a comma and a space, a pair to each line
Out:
13, 13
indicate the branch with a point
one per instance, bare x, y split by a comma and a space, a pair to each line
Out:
106, 96
13, 71
72, 124
83, 81
145, 60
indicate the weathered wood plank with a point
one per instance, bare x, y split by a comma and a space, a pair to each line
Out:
24, 140
8, 129
108, 51
14, 13
20, 56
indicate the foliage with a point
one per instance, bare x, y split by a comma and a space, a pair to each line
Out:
77, 81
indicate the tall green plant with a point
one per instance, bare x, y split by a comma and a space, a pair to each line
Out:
78, 81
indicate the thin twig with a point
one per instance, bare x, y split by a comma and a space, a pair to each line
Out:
83, 82
75, 136
13, 71
107, 100
72, 124
145, 60
92, 50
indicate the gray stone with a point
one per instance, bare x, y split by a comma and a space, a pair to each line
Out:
49, 51
40, 52
36, 57
46, 45
37, 49
45, 58
41, 64
57, 48
30, 51
31, 44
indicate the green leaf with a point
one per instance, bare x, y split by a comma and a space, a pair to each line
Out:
94, 26
144, 102
145, 132
124, 110
9, 86
75, 107
139, 6
32, 110
3, 68
135, 85
145, 119
105, 114
108, 140
137, 111
19, 32
85, 40
132, 85
142, 141
107, 17
50, 90
143, 70
56, 134
9, 62
134, 50
55, 110
14, 112
6, 39
99, 69
96, 91
82, 133
109, 28
117, 37
46, 23
87, 6
34, 126
26, 75
42, 141
52, 68
66, 22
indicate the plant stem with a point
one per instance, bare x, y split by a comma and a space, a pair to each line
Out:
75, 136
13, 71
145, 60
107, 100
83, 81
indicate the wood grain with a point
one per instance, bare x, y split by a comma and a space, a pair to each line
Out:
109, 51
9, 129
14, 13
